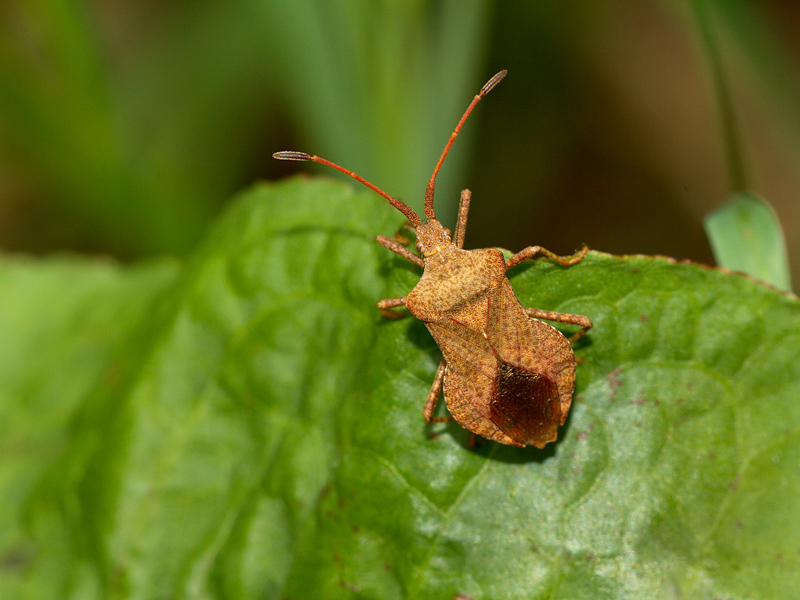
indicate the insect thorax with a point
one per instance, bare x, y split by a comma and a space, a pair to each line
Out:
453, 279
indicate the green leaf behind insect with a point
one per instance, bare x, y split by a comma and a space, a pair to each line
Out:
250, 427
746, 236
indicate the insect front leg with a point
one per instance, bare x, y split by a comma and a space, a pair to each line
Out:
401, 237
538, 251
461, 223
433, 396
389, 303
584, 322
399, 249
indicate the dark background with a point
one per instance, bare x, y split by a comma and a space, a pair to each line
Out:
126, 127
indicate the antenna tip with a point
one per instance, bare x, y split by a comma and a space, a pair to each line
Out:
292, 155
493, 82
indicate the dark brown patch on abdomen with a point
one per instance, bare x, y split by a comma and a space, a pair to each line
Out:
525, 405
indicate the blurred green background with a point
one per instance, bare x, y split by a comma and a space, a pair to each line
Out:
125, 127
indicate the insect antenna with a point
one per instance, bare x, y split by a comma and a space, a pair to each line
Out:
401, 206
432, 183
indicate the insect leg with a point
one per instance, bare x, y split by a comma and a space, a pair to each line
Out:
398, 249
548, 315
388, 304
461, 224
433, 396
400, 237
392, 303
533, 251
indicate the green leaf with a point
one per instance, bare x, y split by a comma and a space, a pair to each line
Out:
265, 439
746, 236
70, 329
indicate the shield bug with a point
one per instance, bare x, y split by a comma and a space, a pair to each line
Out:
506, 375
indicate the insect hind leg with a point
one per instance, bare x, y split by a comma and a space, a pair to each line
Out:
568, 319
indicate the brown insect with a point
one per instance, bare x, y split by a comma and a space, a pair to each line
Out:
507, 376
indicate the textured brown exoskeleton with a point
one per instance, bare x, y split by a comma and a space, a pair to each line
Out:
507, 376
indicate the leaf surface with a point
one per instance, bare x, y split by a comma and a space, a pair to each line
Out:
265, 439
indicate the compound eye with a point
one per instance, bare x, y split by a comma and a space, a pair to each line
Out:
418, 246
447, 233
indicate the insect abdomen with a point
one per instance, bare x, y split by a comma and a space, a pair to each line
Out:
525, 405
